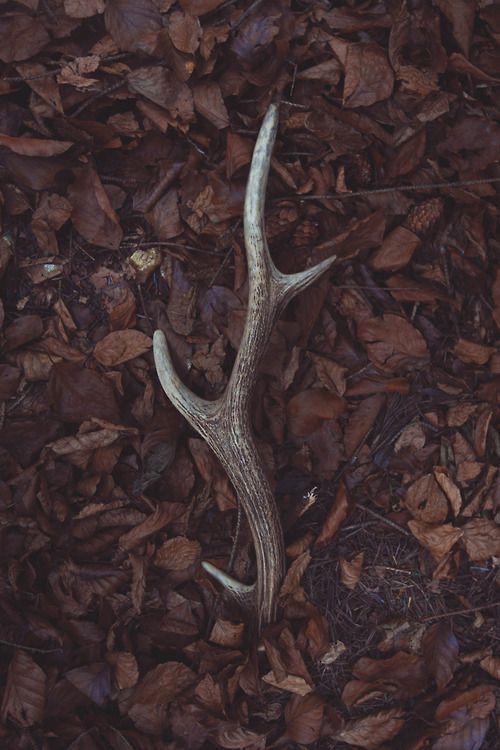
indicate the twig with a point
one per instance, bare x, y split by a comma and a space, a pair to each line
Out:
381, 518
30, 648
468, 610
98, 95
398, 188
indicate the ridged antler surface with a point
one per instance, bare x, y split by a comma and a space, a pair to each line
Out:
226, 423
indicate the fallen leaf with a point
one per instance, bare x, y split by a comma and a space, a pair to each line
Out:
93, 216
294, 573
396, 250
373, 730
178, 553
368, 75
77, 393
93, 680
25, 691
25, 146
121, 346
392, 343
83, 8
449, 488
52, 212
21, 331
185, 31
437, 539
426, 501
125, 669
350, 570
199, 7
336, 516
461, 14
402, 675
226, 633
291, 682
233, 736
21, 37
307, 410
469, 737
472, 353
208, 102
491, 664
133, 24
440, 650
303, 718
481, 539
164, 514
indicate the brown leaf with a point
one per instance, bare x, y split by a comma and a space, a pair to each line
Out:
226, 633
361, 421
125, 669
77, 393
184, 31
478, 703
307, 410
294, 573
199, 7
88, 441
52, 212
402, 675
121, 346
208, 102
9, 380
350, 570
133, 24
472, 353
371, 731
93, 216
330, 374
292, 683
42, 83
303, 718
178, 553
408, 156
461, 14
164, 514
83, 8
440, 650
21, 37
396, 250
238, 153
25, 691
368, 75
21, 331
94, 681
162, 684
233, 737
426, 501
162, 87
437, 539
392, 343
481, 539
25, 146
469, 737
449, 488
336, 515
491, 664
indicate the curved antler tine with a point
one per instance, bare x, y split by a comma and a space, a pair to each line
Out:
291, 284
242, 591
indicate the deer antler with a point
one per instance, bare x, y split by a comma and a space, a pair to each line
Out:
225, 423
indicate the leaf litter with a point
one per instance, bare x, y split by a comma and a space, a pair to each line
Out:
125, 141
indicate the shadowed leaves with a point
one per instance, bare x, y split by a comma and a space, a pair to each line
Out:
25, 691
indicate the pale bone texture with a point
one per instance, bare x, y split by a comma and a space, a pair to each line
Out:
226, 423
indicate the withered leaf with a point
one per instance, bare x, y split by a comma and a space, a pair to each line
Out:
426, 501
402, 675
307, 410
125, 669
9, 380
133, 24
25, 691
469, 737
227, 633
295, 573
83, 8
178, 553
449, 488
392, 343
21, 331
52, 212
440, 650
368, 75
121, 346
350, 570
437, 539
199, 7
303, 717
25, 146
238, 153
94, 681
396, 250
208, 102
164, 514
491, 664
361, 421
163, 683
461, 14
481, 539
162, 87
373, 730
93, 216
21, 36
336, 515
472, 353
78, 393
233, 737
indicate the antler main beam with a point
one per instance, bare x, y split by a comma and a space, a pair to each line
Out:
226, 424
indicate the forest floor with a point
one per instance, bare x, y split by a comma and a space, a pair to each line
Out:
126, 132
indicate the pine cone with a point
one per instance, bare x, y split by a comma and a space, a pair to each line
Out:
306, 234
422, 216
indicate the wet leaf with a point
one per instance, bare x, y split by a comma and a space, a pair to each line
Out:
25, 691
121, 346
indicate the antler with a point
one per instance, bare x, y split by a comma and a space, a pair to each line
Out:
225, 424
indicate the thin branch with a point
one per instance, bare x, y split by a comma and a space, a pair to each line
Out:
398, 189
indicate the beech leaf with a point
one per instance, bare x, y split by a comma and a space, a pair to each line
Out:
121, 346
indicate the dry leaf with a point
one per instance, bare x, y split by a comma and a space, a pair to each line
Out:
121, 346
125, 669
350, 570
373, 730
226, 633
481, 539
291, 682
368, 75
303, 718
437, 539
294, 573
307, 410
472, 353
392, 343
396, 250
233, 737
93, 216
426, 501
178, 553
449, 488
25, 691
164, 514
208, 102
336, 516
440, 650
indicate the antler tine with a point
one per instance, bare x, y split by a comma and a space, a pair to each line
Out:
226, 423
